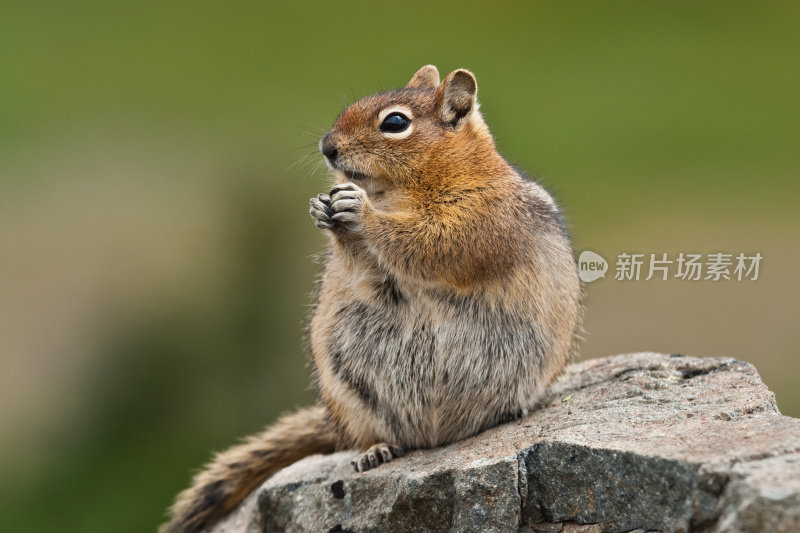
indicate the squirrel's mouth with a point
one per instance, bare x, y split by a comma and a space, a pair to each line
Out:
354, 175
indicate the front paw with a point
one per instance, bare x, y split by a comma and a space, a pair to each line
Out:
348, 203
321, 211
342, 209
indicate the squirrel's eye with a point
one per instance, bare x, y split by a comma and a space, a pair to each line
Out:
395, 123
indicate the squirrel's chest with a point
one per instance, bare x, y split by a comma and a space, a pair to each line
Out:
431, 369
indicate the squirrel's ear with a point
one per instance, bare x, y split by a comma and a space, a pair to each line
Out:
425, 78
456, 97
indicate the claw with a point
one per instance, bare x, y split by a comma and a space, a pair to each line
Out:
386, 455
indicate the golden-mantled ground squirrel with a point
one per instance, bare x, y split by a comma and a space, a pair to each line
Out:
449, 300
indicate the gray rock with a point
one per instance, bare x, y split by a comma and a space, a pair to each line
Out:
637, 442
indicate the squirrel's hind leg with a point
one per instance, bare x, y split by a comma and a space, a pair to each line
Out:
377, 454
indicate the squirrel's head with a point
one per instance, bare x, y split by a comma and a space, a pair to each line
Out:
394, 137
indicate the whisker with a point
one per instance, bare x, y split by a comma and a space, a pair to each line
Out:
301, 162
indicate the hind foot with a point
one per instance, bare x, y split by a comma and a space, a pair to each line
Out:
376, 455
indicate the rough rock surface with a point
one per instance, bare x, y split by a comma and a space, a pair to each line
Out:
634, 442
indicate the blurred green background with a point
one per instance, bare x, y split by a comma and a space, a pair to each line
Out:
156, 160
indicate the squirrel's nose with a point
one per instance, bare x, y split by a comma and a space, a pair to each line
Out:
328, 148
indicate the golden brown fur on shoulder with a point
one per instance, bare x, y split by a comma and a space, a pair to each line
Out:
449, 300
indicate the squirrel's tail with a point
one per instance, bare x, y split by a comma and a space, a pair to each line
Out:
234, 473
